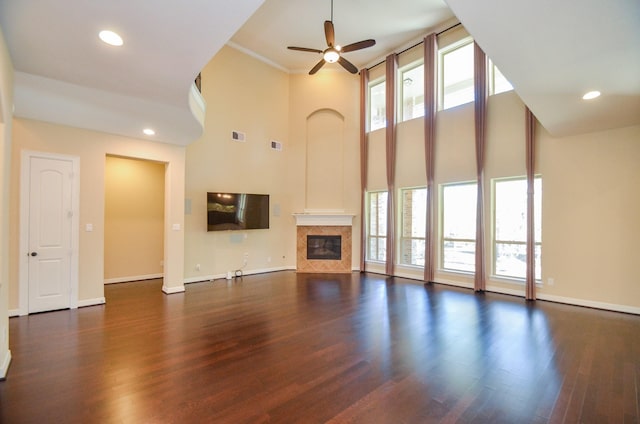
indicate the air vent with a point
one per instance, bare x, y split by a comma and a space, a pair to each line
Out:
238, 136
276, 145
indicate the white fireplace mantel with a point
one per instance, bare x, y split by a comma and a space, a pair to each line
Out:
323, 219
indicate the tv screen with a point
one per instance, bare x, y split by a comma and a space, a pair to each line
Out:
237, 211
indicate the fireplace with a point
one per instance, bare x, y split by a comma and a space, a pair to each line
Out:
323, 243
324, 247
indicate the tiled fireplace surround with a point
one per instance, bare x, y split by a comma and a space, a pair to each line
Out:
317, 224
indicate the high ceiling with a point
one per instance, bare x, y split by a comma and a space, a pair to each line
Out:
551, 51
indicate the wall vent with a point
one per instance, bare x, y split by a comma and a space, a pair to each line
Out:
238, 136
276, 145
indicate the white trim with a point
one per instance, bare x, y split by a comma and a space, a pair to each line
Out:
590, 303
257, 56
91, 302
455, 284
14, 313
23, 264
553, 298
323, 219
133, 278
200, 279
502, 290
173, 290
4, 365
207, 278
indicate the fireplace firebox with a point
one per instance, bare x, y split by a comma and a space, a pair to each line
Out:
323, 247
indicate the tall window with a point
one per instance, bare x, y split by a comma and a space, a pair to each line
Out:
414, 225
456, 74
497, 82
377, 226
377, 105
510, 227
459, 227
411, 85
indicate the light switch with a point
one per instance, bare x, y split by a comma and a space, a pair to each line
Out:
175, 227
88, 227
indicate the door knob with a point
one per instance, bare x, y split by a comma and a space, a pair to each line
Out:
34, 253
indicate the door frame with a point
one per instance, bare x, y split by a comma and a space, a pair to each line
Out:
23, 268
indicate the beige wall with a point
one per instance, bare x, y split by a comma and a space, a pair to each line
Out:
92, 148
6, 113
133, 219
591, 205
331, 92
242, 94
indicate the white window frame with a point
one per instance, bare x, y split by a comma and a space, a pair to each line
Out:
401, 90
403, 214
370, 123
378, 236
446, 239
441, 72
494, 239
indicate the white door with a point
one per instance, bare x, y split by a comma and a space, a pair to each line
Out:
50, 233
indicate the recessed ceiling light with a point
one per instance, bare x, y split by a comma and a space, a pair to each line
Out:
111, 38
149, 131
591, 95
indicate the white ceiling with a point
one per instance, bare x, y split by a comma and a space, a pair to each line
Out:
551, 51
554, 51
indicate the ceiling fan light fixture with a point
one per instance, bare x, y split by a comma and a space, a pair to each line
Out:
332, 53
331, 56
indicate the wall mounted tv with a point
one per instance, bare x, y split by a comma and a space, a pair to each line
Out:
237, 211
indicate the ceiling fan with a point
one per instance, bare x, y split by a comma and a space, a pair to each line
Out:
333, 52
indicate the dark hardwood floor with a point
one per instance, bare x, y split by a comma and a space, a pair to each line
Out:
299, 348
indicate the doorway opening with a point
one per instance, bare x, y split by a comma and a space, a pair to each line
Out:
133, 219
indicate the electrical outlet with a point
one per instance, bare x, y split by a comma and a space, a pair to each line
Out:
197, 267
246, 256
550, 281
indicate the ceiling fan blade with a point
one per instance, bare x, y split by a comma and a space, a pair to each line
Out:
317, 67
329, 33
347, 65
359, 45
304, 49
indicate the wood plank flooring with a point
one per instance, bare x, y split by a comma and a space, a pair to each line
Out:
304, 348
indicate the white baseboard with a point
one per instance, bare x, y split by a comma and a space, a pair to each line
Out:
91, 302
133, 278
4, 365
511, 292
200, 279
558, 299
205, 278
455, 284
590, 303
173, 290
81, 304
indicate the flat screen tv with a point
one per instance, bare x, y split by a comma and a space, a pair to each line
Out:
237, 211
